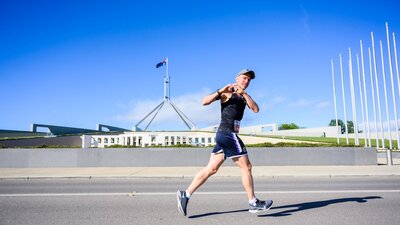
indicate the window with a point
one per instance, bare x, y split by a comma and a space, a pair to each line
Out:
184, 140
166, 142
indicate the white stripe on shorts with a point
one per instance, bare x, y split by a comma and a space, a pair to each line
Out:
237, 143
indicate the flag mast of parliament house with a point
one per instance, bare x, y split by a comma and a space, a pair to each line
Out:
166, 101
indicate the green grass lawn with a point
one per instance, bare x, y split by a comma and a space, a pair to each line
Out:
332, 141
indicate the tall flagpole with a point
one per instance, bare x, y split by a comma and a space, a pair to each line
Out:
377, 90
166, 82
397, 63
386, 99
361, 101
392, 83
365, 95
397, 74
334, 101
344, 101
353, 100
373, 97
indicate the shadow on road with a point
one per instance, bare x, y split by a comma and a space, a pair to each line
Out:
217, 213
318, 204
296, 207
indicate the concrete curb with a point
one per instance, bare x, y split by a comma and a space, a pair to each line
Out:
189, 172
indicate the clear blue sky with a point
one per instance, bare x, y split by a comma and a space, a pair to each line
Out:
80, 63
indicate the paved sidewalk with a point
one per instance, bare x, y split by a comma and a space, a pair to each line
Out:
180, 172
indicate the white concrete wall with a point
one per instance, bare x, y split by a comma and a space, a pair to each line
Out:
45, 158
329, 131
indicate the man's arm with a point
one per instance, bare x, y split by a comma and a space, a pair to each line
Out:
250, 102
214, 96
210, 98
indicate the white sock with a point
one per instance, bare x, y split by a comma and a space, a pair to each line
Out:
187, 194
253, 201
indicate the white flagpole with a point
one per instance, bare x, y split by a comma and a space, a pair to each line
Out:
398, 78
361, 101
166, 82
334, 101
377, 91
392, 83
353, 101
397, 63
386, 99
365, 95
344, 101
373, 97
169, 85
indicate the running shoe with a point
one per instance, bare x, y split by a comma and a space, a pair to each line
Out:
260, 206
182, 201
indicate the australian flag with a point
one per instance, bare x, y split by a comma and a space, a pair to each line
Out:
162, 63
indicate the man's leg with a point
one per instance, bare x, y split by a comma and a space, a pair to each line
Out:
247, 178
215, 162
212, 167
255, 205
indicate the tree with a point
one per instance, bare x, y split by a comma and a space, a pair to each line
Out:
286, 126
340, 123
350, 125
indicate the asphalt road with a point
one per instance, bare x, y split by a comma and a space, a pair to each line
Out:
300, 200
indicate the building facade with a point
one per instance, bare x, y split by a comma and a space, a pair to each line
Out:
149, 138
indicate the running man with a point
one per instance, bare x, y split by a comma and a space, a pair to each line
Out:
233, 99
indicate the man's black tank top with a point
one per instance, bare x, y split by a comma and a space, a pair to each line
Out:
231, 110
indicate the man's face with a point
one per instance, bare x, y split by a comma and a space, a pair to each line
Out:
243, 80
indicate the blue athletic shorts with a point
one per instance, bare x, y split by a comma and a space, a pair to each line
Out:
230, 144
